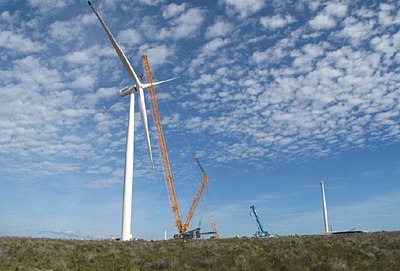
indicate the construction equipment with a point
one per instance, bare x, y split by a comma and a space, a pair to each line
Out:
214, 234
191, 234
195, 157
214, 227
261, 232
182, 227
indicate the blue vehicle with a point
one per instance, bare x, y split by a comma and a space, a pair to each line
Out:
261, 232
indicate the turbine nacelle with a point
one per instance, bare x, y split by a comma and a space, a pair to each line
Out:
127, 91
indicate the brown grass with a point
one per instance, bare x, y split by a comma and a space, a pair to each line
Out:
367, 251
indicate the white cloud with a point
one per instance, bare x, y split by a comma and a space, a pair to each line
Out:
273, 54
89, 56
158, 55
245, 8
100, 170
80, 57
314, 5
387, 45
129, 36
326, 19
151, 2
47, 5
11, 18
19, 43
102, 183
48, 168
46, 118
66, 31
356, 31
84, 81
322, 21
293, 96
276, 21
260, 57
389, 14
173, 10
185, 25
306, 56
204, 79
324, 96
214, 45
209, 49
313, 50
30, 71
220, 28
336, 9
62, 30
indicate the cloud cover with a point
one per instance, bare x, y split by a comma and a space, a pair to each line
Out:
320, 85
260, 83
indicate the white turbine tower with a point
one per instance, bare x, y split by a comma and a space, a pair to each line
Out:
325, 210
137, 88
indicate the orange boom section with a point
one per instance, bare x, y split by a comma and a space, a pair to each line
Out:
182, 227
196, 200
162, 146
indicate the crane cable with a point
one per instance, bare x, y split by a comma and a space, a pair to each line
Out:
196, 158
185, 138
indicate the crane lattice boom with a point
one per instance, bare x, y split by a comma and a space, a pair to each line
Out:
162, 146
195, 201
182, 227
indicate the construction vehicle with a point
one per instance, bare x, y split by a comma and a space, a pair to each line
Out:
190, 234
182, 226
260, 232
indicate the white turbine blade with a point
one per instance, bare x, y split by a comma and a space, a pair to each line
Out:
143, 116
118, 49
157, 83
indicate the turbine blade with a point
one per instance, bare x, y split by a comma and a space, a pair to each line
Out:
143, 116
118, 49
158, 83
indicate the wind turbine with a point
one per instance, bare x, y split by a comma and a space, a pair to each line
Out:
131, 91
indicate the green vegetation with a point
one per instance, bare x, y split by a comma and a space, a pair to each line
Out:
367, 251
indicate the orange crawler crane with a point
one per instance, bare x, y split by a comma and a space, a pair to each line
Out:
182, 227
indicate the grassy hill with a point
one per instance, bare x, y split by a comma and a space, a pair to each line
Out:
366, 251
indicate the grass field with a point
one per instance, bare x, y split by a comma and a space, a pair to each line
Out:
366, 251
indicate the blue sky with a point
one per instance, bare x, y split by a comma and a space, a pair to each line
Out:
273, 95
